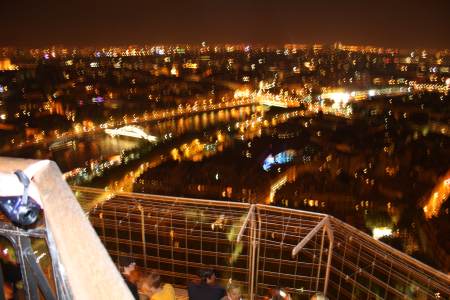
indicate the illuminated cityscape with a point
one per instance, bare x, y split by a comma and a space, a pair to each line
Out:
247, 157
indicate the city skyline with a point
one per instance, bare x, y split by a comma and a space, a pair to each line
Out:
300, 149
382, 24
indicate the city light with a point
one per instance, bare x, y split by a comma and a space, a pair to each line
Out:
379, 232
438, 196
354, 131
131, 131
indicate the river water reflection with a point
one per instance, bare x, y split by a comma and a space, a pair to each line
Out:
100, 146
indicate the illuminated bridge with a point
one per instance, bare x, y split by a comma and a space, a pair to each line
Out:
131, 131
271, 102
258, 246
276, 101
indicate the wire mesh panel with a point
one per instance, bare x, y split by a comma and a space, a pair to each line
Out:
280, 230
174, 235
363, 268
261, 247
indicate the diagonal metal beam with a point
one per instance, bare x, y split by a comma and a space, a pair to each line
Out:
244, 225
31, 288
39, 276
320, 258
61, 284
329, 230
309, 236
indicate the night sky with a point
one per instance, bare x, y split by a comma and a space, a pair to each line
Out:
395, 23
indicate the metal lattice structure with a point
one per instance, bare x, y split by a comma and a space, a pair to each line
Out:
26, 243
60, 255
259, 246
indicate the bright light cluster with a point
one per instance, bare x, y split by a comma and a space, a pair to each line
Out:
379, 232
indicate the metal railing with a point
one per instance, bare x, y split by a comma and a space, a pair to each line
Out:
261, 247
59, 256
25, 244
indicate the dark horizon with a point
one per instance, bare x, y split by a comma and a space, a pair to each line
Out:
404, 25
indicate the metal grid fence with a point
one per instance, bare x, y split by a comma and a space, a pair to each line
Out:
259, 246
364, 268
177, 237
